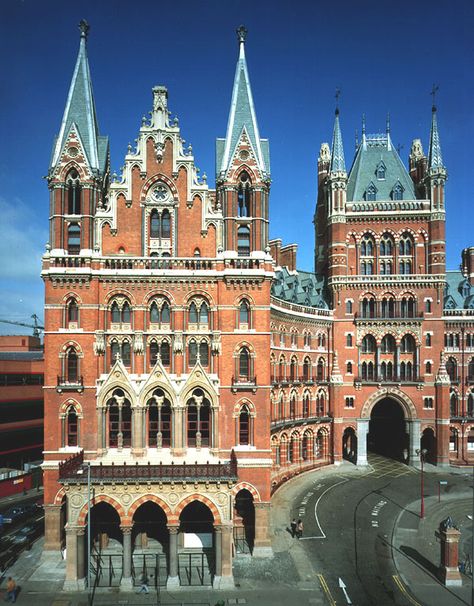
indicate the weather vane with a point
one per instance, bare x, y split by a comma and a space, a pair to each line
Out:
84, 27
336, 96
433, 94
241, 33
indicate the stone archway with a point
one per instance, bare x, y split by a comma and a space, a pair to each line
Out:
400, 408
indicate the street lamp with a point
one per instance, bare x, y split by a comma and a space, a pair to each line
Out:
422, 452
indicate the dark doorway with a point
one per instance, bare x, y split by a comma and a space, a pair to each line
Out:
428, 443
349, 445
244, 522
387, 435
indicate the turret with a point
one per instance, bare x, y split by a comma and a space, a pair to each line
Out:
243, 169
79, 166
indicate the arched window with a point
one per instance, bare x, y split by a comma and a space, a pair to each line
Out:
120, 313
199, 420
74, 193
428, 368
154, 224
388, 307
367, 246
407, 344
244, 314
72, 311
74, 239
154, 349
120, 420
244, 426
293, 370
165, 353
470, 370
306, 405
349, 368
193, 314
386, 246
307, 369
320, 405
72, 427
292, 406
123, 350
368, 307
320, 374
154, 313
72, 366
244, 364
115, 313
452, 369
243, 241
243, 196
453, 405
371, 193
388, 344
397, 191
470, 405
165, 225
368, 344
159, 420
408, 307
405, 246
126, 353
126, 313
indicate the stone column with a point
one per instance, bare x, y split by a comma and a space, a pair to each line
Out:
137, 432
377, 362
178, 432
414, 429
70, 584
226, 580
126, 584
218, 546
214, 446
173, 577
262, 543
397, 362
362, 432
52, 528
100, 433
81, 557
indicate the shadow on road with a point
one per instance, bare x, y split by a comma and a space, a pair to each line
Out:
420, 559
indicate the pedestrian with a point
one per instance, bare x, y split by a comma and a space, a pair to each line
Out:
11, 590
144, 582
299, 529
293, 527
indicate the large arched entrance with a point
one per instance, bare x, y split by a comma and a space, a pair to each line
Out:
150, 540
196, 554
244, 522
387, 430
106, 546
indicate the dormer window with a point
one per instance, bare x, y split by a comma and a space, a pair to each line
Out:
397, 191
371, 193
380, 171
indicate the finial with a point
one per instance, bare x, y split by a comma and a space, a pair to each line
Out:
433, 92
356, 139
363, 124
84, 27
241, 34
336, 96
388, 124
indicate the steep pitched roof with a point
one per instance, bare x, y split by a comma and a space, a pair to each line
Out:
372, 151
80, 111
338, 163
458, 293
242, 117
435, 158
302, 287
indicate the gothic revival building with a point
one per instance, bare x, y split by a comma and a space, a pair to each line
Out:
190, 369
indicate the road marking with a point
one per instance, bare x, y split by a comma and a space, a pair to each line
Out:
326, 590
342, 586
323, 535
403, 589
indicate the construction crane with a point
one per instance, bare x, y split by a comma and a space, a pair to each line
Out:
36, 326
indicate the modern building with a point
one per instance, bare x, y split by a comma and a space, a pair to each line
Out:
191, 368
21, 401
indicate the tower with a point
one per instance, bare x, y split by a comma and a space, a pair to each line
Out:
243, 169
79, 167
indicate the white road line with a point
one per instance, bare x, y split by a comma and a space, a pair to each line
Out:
322, 535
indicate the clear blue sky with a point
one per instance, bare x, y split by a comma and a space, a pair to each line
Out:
385, 57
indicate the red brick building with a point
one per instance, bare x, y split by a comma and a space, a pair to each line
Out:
191, 369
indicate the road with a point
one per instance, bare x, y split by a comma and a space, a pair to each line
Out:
348, 530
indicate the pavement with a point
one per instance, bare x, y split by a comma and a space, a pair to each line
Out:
290, 577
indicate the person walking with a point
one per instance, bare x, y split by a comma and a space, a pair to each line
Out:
11, 590
293, 527
299, 529
144, 582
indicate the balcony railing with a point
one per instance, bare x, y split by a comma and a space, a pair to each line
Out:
75, 470
396, 314
69, 384
377, 379
299, 379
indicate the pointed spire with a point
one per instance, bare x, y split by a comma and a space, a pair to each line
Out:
80, 108
435, 159
242, 114
337, 151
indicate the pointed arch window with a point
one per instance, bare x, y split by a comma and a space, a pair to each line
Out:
244, 314
368, 344
306, 405
199, 420
243, 196
74, 193
307, 369
370, 194
74, 239
452, 369
72, 312
380, 171
453, 405
320, 370
121, 313
244, 426
244, 364
72, 427
154, 224
243, 241
388, 344
166, 224
386, 246
154, 349
159, 420
397, 191
124, 351
72, 366
120, 420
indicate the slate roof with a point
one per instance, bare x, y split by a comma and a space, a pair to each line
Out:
242, 116
371, 151
458, 293
301, 287
338, 163
80, 111
435, 158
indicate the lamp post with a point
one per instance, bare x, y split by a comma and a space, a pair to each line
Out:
422, 452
